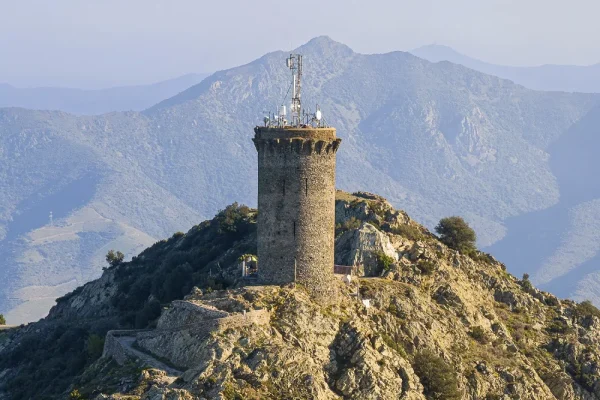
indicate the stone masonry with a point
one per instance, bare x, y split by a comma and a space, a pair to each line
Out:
296, 203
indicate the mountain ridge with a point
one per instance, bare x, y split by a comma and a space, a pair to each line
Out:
95, 101
549, 77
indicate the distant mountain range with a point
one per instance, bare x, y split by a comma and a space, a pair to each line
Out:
100, 101
436, 139
566, 78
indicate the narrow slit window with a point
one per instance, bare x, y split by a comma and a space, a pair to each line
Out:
294, 229
306, 186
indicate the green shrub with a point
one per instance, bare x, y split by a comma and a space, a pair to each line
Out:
481, 256
393, 344
75, 395
558, 326
408, 231
2, 320
113, 259
348, 225
438, 377
384, 262
526, 283
478, 333
95, 346
587, 309
427, 267
232, 218
457, 234
377, 208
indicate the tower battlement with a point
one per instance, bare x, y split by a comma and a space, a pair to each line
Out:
299, 140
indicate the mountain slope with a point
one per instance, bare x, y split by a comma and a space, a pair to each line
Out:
439, 325
436, 139
567, 78
100, 101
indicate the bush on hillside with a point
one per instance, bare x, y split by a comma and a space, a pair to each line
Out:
2, 320
427, 267
384, 262
478, 333
587, 309
169, 269
457, 234
408, 231
48, 363
526, 283
348, 225
437, 376
114, 258
95, 346
229, 219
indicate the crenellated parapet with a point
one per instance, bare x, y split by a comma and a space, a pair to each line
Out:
302, 146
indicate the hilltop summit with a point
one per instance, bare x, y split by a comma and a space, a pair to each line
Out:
428, 322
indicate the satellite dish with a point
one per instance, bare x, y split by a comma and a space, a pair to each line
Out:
318, 115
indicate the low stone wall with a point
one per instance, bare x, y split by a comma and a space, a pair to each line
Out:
253, 317
180, 345
182, 313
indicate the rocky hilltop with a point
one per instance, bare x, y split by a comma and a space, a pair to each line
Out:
425, 322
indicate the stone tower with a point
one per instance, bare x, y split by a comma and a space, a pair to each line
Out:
296, 205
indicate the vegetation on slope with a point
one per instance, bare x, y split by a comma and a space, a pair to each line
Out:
43, 358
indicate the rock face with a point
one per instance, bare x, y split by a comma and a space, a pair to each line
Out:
437, 325
360, 247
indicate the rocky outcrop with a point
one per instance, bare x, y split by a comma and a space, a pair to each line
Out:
361, 248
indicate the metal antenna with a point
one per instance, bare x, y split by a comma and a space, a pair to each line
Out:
294, 63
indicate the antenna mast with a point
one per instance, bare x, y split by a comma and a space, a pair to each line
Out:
294, 63
299, 118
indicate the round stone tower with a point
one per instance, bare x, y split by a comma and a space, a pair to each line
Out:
296, 205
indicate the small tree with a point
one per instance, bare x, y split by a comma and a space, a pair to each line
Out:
384, 262
438, 377
457, 234
95, 346
2, 320
113, 259
525, 282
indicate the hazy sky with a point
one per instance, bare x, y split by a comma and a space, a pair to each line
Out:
94, 43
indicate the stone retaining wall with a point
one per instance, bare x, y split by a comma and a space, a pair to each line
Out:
175, 344
182, 313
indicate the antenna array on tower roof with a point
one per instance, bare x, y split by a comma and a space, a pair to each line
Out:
299, 118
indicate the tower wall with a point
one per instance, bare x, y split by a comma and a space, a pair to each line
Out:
296, 203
